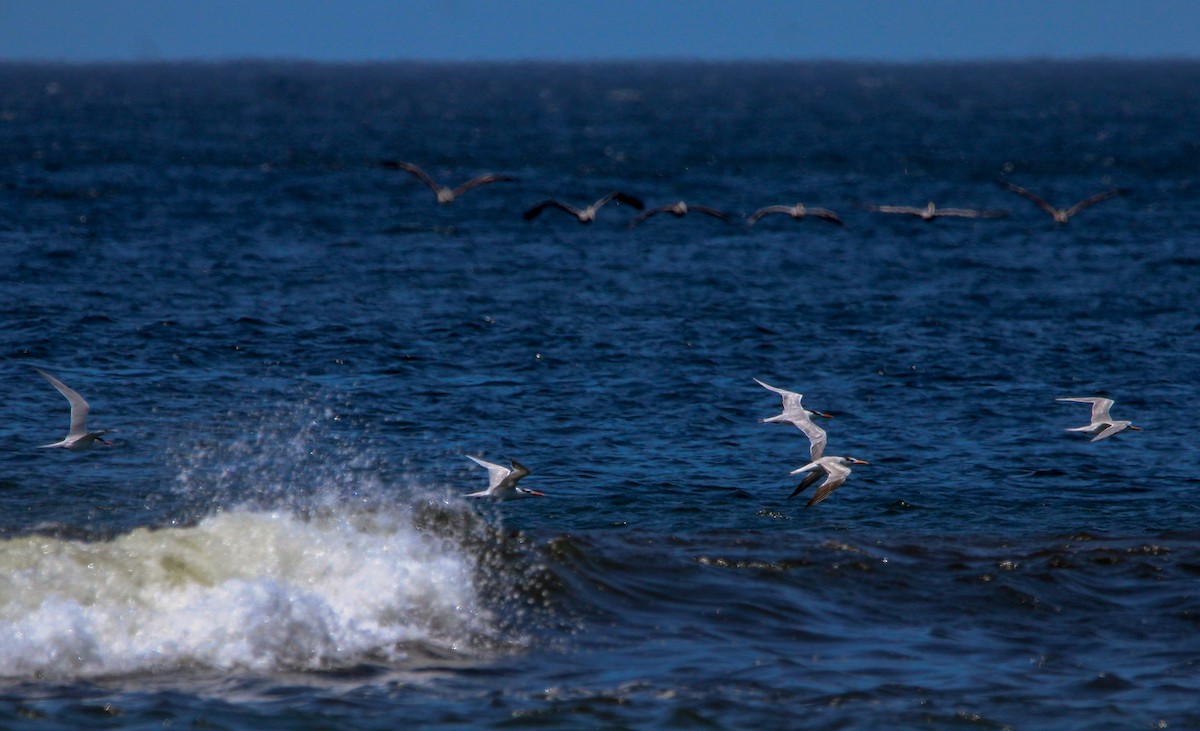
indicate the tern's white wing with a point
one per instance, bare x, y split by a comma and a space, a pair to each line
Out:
496, 473
810, 466
517, 472
809, 479
1112, 428
1100, 406
79, 407
837, 475
791, 399
837, 470
769, 387
794, 413
816, 436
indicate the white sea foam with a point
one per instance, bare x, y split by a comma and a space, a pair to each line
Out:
242, 589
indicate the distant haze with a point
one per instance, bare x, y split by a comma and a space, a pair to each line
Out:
369, 30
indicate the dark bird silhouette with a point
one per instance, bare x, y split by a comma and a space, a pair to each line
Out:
1062, 215
585, 215
679, 209
444, 195
930, 212
798, 211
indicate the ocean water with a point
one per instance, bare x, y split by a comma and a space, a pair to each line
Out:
296, 348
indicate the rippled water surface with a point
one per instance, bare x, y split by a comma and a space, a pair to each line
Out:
296, 346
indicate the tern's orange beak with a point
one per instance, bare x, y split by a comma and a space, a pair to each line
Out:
535, 492
823, 414
859, 461
1135, 428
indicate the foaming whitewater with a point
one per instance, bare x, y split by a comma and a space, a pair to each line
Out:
343, 572
241, 589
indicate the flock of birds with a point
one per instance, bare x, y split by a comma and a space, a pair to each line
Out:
835, 469
502, 481
679, 209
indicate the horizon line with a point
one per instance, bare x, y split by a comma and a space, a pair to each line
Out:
649, 59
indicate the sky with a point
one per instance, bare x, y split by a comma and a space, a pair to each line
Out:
377, 30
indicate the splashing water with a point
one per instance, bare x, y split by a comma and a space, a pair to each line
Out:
315, 565
253, 590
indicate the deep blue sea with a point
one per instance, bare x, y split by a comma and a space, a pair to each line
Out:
296, 348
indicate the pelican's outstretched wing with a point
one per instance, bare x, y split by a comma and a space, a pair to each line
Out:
710, 212
1045, 206
905, 210
648, 213
824, 214
1093, 200
619, 197
414, 170
534, 212
481, 180
971, 212
769, 211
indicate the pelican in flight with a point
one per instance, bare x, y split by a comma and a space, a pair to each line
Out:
444, 195
78, 437
798, 211
1103, 426
836, 470
799, 417
585, 215
502, 481
930, 212
679, 209
1062, 215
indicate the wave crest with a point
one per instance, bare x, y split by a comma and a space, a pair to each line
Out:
241, 589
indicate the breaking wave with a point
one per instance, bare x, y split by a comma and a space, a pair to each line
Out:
241, 589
